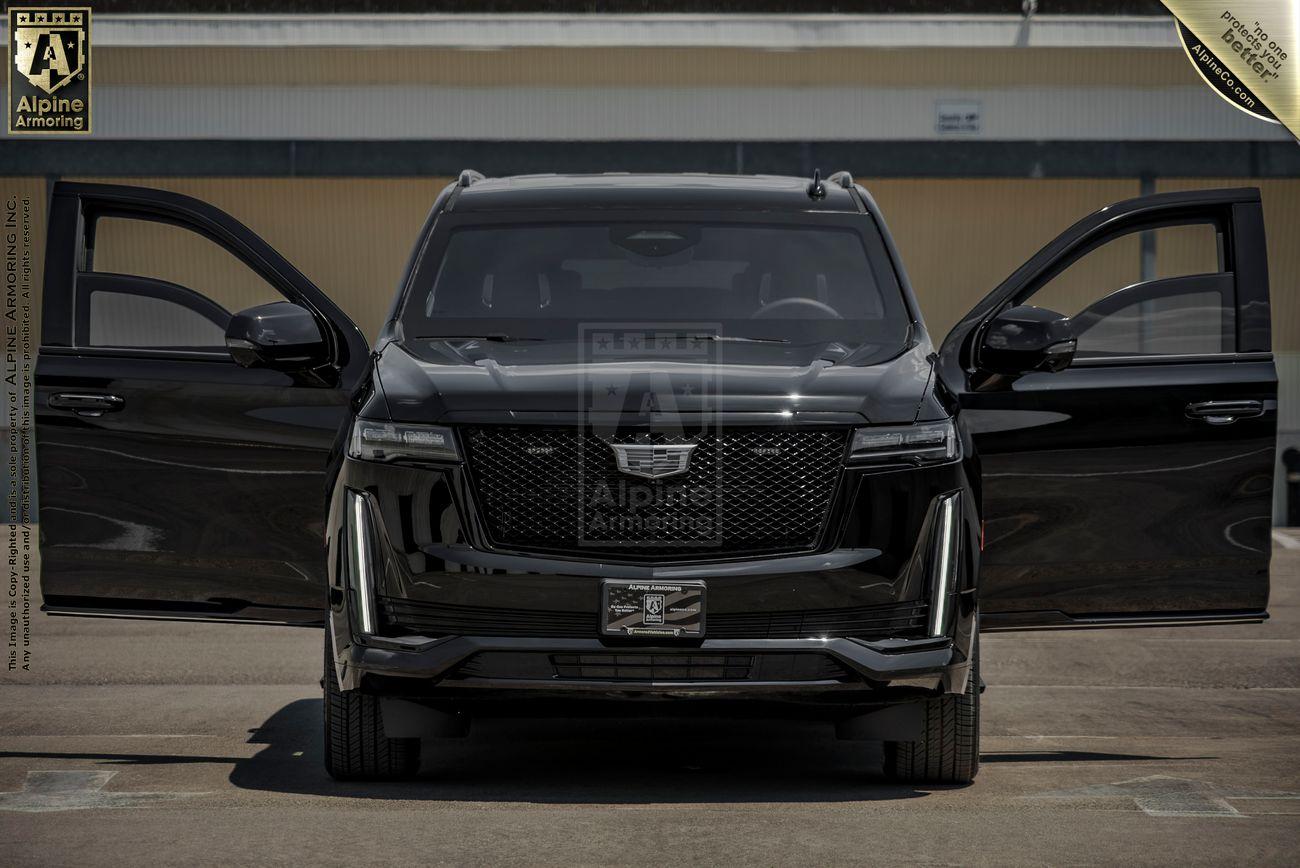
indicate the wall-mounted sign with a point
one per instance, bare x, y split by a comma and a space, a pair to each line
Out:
957, 117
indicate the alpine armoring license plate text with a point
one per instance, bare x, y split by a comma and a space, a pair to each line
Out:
672, 610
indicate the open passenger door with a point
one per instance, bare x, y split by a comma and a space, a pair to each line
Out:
175, 482
1133, 486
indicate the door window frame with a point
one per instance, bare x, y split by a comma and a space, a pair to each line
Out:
74, 209
1226, 255
1236, 210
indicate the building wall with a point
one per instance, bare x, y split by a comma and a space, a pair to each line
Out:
629, 92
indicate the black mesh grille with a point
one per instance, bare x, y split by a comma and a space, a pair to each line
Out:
450, 620
894, 621
745, 491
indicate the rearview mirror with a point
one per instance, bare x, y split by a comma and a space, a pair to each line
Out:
1025, 339
281, 336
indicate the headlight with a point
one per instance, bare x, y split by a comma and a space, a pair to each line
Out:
395, 441
918, 444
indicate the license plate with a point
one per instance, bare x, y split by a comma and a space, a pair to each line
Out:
669, 609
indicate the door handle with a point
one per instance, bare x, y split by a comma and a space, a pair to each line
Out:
1224, 412
87, 403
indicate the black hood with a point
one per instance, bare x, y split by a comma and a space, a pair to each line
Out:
460, 380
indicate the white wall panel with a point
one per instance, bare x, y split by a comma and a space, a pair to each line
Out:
712, 113
579, 30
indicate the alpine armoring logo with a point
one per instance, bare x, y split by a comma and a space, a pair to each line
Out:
647, 475
49, 70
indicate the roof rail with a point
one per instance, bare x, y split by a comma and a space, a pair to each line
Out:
469, 176
844, 179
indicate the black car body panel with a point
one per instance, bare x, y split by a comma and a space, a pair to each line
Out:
150, 486
763, 194
176, 483
464, 382
1105, 495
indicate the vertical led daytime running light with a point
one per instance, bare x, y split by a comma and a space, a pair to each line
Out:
362, 561
947, 537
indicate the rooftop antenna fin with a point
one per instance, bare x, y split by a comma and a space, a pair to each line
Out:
817, 190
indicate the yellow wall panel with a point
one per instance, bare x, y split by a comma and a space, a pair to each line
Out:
1183, 250
350, 236
165, 252
960, 237
1281, 199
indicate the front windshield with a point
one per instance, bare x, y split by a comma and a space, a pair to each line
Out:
746, 281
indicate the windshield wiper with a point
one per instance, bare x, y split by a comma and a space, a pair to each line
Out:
496, 337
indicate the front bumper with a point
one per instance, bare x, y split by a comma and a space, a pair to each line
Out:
884, 557
862, 671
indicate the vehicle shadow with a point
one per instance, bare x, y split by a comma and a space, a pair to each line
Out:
591, 760
604, 760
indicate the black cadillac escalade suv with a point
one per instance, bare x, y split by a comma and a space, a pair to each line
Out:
658, 437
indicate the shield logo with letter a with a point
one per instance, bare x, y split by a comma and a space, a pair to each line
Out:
50, 47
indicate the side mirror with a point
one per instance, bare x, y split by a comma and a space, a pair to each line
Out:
280, 336
1024, 339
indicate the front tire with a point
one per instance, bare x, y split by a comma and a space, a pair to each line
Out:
356, 748
948, 748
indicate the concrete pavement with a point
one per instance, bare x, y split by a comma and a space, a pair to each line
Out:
154, 743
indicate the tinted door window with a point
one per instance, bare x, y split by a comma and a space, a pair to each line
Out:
1181, 323
157, 285
1162, 291
128, 319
